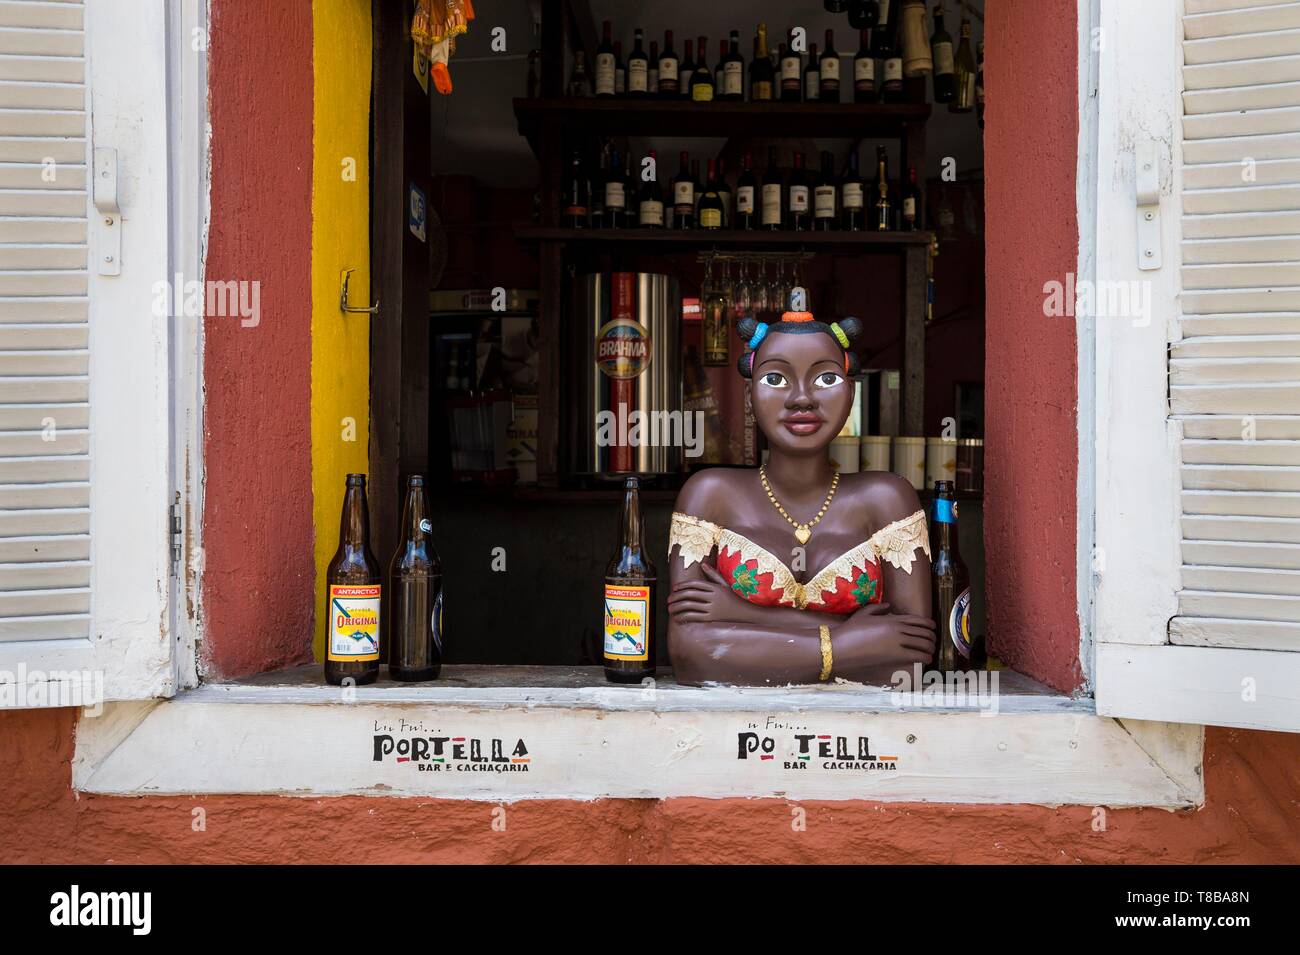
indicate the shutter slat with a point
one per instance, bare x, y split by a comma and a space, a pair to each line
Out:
43, 176
1237, 346
1223, 632
44, 470
51, 575
1280, 248
1272, 581
48, 522
61, 16
1234, 428
1249, 225
1275, 16
1242, 121
43, 256
1238, 606
1239, 199
1243, 477
41, 42
1246, 399
21, 444
1280, 453
1256, 323
52, 627
1213, 371
40, 417
1207, 301
44, 496
43, 69
1214, 6
1234, 148
1252, 556
1241, 275
38, 149
27, 549
1270, 530
1249, 46
1226, 175
1238, 503
31, 310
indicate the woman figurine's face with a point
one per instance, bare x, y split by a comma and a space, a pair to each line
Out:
801, 394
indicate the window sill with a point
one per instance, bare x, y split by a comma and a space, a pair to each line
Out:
287, 733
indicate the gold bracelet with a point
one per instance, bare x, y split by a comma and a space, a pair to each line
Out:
825, 632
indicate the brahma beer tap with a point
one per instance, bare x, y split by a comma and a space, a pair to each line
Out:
352, 602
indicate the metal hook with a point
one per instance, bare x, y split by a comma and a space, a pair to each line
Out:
343, 298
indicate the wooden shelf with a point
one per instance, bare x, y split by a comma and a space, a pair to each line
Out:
655, 117
673, 240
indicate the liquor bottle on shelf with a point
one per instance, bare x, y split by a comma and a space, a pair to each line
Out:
824, 193
882, 34
883, 218
979, 82
353, 603
702, 80
733, 71
864, 71
853, 216
761, 85
652, 71
950, 588
746, 187
579, 86
912, 202
577, 195
697, 188
598, 190
892, 86
684, 196
941, 52
686, 71
638, 67
812, 77
668, 77
791, 68
620, 71
650, 203
415, 594
797, 197
605, 63
830, 71
615, 195
772, 213
864, 14
918, 59
630, 582
711, 208
724, 193
964, 73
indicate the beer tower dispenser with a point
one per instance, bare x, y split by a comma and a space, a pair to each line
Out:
631, 362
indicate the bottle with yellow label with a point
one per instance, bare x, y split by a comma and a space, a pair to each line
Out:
352, 602
630, 580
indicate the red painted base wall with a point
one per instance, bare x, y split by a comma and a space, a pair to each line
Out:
1252, 814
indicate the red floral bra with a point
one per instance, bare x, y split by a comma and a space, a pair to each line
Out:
852, 580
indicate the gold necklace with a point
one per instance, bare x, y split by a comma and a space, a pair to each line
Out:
801, 531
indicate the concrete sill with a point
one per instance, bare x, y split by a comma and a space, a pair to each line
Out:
508, 733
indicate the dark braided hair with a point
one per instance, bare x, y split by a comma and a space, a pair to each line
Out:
754, 333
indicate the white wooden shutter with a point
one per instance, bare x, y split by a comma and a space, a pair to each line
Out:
84, 551
1230, 290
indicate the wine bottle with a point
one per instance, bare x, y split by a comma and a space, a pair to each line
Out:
697, 189
883, 219
615, 195
605, 63
668, 81
684, 196
964, 74
760, 71
724, 193
650, 203
864, 14
579, 87
746, 187
941, 53
830, 71
812, 77
791, 68
686, 71
638, 67
911, 202
864, 71
882, 34
652, 81
620, 72
852, 201
733, 71
710, 216
824, 212
577, 195
892, 88
702, 81
598, 190
771, 197
797, 192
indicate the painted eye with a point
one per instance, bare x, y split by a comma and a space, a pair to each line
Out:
829, 379
774, 379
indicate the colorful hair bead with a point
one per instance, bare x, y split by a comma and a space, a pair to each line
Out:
839, 334
796, 318
759, 334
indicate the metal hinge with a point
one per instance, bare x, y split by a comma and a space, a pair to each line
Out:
174, 522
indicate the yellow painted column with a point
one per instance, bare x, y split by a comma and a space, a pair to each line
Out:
340, 239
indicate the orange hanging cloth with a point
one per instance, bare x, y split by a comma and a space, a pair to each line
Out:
434, 29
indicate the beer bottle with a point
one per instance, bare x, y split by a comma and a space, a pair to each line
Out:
352, 604
950, 585
415, 594
630, 597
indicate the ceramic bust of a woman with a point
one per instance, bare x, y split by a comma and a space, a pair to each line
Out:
796, 573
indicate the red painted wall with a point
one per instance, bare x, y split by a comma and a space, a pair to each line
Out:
1031, 365
1252, 814
258, 534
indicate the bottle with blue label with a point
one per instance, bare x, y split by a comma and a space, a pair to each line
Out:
949, 585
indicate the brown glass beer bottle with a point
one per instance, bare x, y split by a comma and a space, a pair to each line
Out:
415, 594
950, 585
352, 636
630, 597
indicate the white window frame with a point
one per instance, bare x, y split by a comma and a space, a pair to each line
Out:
1135, 567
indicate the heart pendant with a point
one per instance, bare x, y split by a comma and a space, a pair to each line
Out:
802, 533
